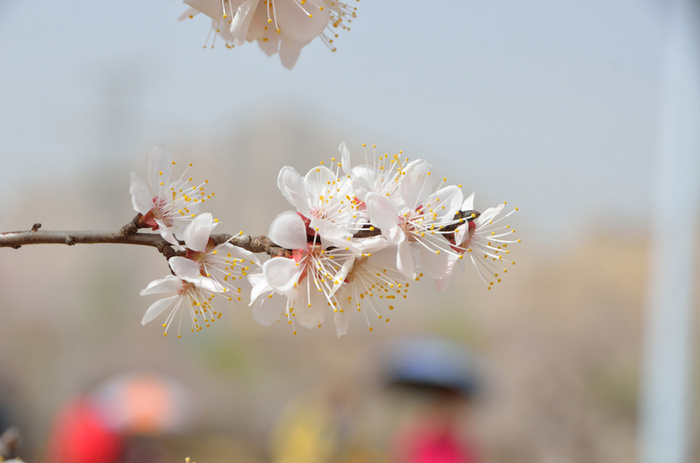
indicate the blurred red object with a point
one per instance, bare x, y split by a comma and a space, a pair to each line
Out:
80, 435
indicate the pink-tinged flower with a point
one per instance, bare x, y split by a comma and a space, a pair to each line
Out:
317, 281
307, 280
182, 296
324, 200
417, 220
484, 238
279, 26
166, 206
210, 266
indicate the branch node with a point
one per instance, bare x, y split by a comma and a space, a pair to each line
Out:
133, 226
36, 227
70, 241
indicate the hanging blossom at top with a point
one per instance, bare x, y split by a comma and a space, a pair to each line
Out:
358, 237
279, 26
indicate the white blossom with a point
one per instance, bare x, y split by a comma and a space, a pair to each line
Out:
183, 296
210, 266
166, 206
279, 26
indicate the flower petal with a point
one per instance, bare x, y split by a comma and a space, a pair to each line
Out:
260, 286
404, 259
198, 231
268, 311
468, 204
436, 265
382, 212
301, 23
445, 202
270, 46
288, 231
168, 235
158, 308
312, 313
188, 13
345, 158
282, 274
186, 269
342, 322
416, 183
159, 164
141, 196
293, 188
488, 215
241, 21
169, 284
289, 52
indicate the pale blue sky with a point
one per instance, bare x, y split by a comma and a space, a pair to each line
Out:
550, 104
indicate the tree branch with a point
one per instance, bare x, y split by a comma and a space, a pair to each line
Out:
17, 239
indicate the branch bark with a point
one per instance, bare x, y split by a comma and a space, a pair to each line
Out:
17, 239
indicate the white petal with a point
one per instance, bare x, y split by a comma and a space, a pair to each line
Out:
373, 244
168, 235
260, 286
289, 52
185, 268
198, 231
443, 282
341, 275
301, 23
417, 183
445, 202
141, 196
310, 317
268, 311
158, 308
342, 321
461, 233
187, 14
318, 182
159, 164
363, 180
288, 231
345, 158
238, 253
404, 259
169, 284
208, 7
180, 223
293, 188
282, 274
331, 233
468, 204
241, 21
436, 265
488, 215
270, 46
382, 212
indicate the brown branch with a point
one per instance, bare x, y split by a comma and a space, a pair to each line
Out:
17, 239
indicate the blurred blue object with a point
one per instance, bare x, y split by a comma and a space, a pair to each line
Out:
433, 364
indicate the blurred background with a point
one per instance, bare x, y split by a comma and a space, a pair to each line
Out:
552, 106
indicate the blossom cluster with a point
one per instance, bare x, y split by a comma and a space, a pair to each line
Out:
279, 26
358, 236
204, 270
